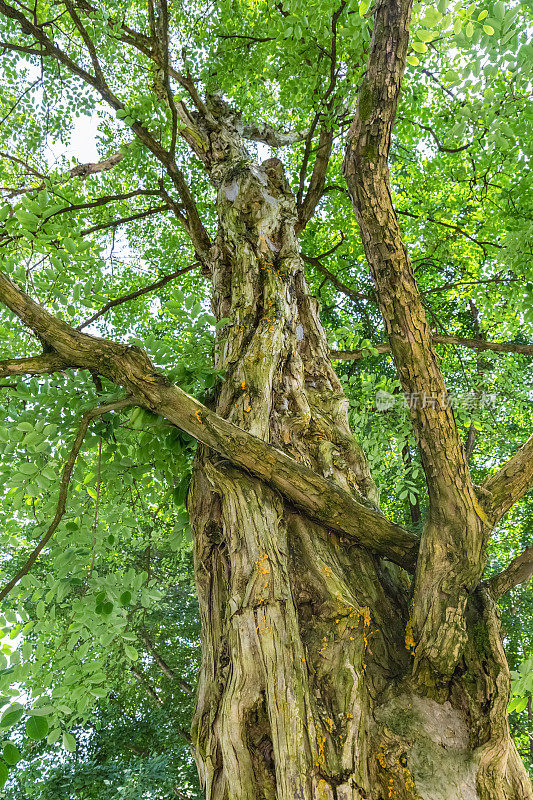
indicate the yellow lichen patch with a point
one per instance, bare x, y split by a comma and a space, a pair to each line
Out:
324, 645
261, 565
364, 613
410, 643
329, 724
391, 788
320, 741
381, 757
407, 779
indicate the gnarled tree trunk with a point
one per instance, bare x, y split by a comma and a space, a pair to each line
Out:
307, 688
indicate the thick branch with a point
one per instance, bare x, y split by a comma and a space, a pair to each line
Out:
130, 367
451, 556
510, 483
367, 175
36, 365
318, 179
63, 490
262, 132
520, 570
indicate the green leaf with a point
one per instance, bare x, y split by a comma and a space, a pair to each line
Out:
131, 652
4, 774
36, 728
28, 468
518, 704
489, 30
70, 246
53, 736
125, 598
413, 61
11, 717
11, 755
69, 742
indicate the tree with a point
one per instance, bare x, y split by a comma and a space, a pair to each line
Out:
346, 652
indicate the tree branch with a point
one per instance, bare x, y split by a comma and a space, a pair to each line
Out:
450, 562
146, 686
115, 223
307, 207
317, 264
164, 667
510, 483
81, 171
63, 490
131, 368
125, 298
520, 570
35, 365
473, 344
195, 228
265, 133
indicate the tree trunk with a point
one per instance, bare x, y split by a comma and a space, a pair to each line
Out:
305, 688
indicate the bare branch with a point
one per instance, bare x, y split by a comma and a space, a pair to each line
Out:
146, 686
63, 490
520, 570
133, 295
84, 170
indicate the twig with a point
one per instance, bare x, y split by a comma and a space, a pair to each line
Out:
63, 490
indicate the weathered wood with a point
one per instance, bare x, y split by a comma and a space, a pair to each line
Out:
131, 368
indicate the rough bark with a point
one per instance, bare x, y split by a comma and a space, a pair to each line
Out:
306, 687
450, 707
284, 601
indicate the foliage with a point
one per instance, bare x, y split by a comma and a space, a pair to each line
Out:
118, 568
